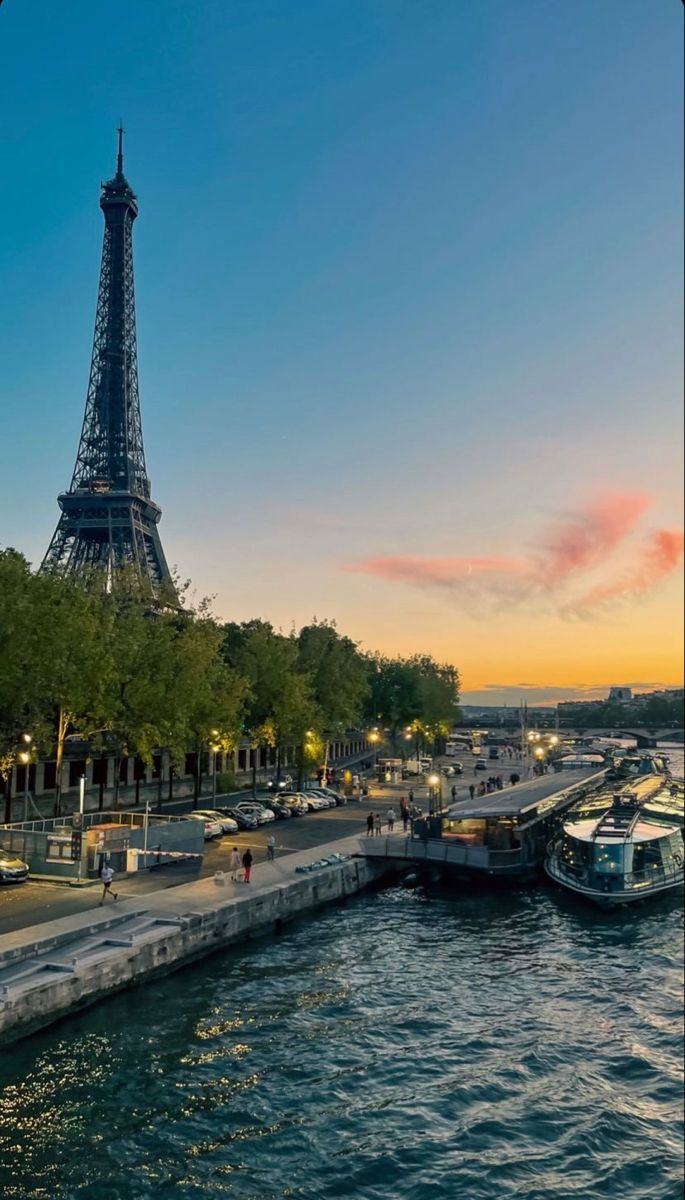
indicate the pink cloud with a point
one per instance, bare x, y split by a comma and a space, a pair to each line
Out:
660, 557
585, 538
581, 542
414, 568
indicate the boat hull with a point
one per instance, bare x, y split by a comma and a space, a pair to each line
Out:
615, 897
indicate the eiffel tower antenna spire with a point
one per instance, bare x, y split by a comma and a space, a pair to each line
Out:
120, 152
108, 517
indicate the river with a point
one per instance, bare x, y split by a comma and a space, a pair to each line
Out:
407, 1046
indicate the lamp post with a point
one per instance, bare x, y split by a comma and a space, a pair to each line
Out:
79, 827
434, 795
25, 758
374, 738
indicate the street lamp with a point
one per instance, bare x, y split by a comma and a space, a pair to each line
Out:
25, 759
374, 738
435, 794
214, 749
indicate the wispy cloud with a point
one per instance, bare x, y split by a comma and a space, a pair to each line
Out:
584, 539
660, 556
577, 543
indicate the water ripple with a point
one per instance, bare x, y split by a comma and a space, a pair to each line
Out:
408, 1047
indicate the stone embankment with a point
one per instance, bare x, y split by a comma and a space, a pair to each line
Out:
51, 970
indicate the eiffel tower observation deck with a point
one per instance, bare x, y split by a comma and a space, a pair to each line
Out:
108, 518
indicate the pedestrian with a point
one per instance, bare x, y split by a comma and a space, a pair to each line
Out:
377, 824
405, 819
271, 847
390, 818
107, 875
411, 795
369, 825
472, 791
247, 864
234, 863
454, 792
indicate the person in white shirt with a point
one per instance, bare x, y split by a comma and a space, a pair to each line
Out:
235, 863
107, 875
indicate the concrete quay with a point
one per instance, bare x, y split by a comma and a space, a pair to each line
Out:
50, 970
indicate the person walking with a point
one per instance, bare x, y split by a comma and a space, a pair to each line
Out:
271, 847
234, 864
390, 818
405, 819
107, 875
411, 795
472, 791
454, 792
247, 864
369, 825
377, 824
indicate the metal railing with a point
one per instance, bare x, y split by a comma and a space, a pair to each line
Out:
587, 879
442, 852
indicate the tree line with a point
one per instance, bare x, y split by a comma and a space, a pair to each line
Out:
77, 659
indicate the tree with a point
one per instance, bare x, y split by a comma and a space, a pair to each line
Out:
338, 675
413, 697
279, 704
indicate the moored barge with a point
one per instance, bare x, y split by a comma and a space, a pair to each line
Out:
623, 844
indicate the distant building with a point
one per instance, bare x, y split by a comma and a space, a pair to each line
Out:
620, 695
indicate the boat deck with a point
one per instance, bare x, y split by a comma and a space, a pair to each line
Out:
512, 801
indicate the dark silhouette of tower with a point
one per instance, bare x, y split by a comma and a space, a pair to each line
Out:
108, 518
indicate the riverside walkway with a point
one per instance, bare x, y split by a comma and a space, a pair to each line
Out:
52, 969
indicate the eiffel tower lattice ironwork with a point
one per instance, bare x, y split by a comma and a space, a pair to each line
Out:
108, 518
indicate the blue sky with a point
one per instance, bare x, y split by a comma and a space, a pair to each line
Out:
408, 283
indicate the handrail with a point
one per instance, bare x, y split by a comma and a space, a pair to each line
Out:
629, 879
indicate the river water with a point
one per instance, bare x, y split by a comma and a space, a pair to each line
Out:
408, 1046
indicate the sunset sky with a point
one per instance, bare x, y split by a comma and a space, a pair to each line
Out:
408, 279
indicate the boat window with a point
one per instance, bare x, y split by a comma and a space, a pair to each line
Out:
609, 859
647, 855
574, 852
501, 834
469, 832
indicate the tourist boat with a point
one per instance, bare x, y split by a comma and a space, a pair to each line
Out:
621, 847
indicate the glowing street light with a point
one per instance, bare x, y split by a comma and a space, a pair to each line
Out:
24, 757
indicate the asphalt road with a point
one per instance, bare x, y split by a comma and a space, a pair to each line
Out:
31, 903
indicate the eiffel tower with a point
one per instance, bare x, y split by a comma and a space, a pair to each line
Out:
108, 519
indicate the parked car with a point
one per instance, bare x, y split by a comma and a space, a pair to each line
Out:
323, 800
228, 824
314, 803
330, 794
12, 869
253, 809
282, 812
480, 765
458, 768
242, 819
297, 805
212, 828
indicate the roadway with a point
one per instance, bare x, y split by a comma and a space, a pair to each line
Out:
32, 902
